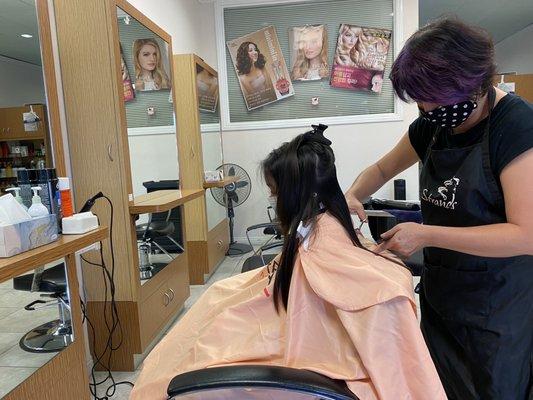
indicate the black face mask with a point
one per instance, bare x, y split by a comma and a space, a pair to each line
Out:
449, 116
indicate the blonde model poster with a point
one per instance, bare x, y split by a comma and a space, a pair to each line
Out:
360, 57
151, 65
261, 68
309, 52
207, 86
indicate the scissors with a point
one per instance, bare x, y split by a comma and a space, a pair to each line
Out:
364, 221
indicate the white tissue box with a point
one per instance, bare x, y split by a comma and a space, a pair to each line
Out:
79, 223
27, 235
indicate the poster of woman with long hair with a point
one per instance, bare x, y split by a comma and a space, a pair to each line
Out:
309, 52
360, 58
127, 87
149, 61
260, 67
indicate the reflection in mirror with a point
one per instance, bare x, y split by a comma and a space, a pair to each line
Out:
24, 131
159, 240
26, 160
149, 110
207, 87
35, 322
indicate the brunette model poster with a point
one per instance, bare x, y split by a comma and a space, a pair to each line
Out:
260, 67
207, 86
360, 57
309, 52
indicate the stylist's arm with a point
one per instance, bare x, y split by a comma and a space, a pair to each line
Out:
496, 240
401, 157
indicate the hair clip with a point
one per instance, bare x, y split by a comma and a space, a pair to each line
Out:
317, 134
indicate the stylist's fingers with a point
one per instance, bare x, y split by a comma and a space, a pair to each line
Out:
355, 206
390, 233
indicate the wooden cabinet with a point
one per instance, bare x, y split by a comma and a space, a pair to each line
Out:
207, 247
99, 153
12, 125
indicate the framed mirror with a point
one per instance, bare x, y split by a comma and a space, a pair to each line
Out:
30, 140
146, 67
212, 152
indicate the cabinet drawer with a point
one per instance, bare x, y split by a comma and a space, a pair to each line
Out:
152, 313
217, 244
178, 286
169, 297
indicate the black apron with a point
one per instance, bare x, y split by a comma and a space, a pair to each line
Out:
477, 312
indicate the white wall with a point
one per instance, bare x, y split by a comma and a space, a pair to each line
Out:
356, 146
515, 53
21, 83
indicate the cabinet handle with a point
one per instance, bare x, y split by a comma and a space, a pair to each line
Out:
109, 152
220, 243
167, 297
172, 293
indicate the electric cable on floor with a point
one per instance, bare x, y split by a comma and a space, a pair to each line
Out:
112, 322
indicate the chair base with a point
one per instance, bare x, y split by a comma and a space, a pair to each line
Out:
50, 337
238, 249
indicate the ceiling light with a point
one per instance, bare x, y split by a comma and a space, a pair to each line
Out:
26, 35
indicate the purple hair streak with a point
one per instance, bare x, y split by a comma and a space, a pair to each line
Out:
445, 62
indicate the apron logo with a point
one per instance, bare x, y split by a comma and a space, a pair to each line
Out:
445, 196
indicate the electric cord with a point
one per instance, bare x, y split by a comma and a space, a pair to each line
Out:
112, 322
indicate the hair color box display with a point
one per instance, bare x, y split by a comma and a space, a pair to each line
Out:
27, 235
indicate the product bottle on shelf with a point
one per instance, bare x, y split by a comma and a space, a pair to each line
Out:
66, 197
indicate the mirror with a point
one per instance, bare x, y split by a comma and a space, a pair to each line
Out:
147, 84
208, 105
25, 145
32, 333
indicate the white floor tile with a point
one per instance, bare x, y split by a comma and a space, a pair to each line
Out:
16, 357
11, 377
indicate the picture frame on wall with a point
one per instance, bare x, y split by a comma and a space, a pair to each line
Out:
260, 67
360, 58
151, 65
309, 52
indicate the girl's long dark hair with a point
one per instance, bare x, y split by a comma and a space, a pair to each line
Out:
303, 175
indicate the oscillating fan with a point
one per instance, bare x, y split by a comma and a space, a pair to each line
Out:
231, 196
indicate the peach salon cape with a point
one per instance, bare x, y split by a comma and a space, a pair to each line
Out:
351, 316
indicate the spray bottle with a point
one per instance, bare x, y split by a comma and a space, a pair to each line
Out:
37, 208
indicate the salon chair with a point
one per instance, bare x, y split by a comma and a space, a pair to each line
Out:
163, 230
256, 382
275, 240
54, 335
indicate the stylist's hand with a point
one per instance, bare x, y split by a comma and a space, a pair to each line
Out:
355, 205
404, 239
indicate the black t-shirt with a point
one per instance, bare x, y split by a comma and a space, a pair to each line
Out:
511, 133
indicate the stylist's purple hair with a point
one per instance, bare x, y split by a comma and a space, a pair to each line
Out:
445, 62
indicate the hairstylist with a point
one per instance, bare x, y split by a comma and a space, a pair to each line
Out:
476, 192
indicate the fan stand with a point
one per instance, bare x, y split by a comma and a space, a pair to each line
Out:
235, 249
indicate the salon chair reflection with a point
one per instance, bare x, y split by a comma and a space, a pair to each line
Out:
160, 239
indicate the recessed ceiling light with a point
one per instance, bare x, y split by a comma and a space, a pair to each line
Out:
26, 35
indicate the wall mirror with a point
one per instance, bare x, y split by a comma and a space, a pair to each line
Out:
146, 75
30, 147
208, 105
146, 67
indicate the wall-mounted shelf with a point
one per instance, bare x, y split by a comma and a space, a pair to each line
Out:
163, 200
221, 183
66, 244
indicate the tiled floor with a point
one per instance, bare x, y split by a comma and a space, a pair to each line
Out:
15, 321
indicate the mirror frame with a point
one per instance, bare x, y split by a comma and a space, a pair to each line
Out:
48, 59
149, 24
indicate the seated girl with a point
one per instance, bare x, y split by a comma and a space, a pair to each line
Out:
326, 304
